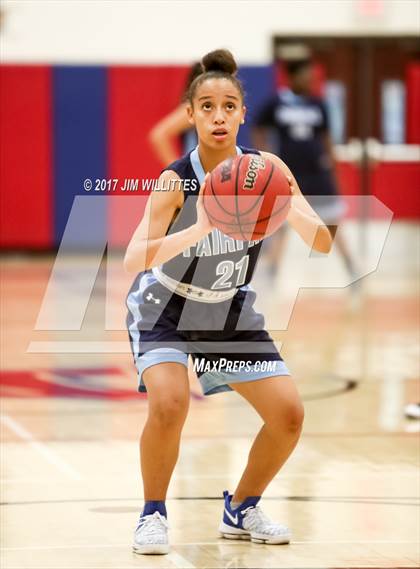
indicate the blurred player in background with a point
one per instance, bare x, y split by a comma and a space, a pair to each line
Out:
172, 288
294, 125
163, 135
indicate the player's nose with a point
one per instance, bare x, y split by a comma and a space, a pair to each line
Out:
219, 117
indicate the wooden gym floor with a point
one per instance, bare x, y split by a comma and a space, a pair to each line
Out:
70, 485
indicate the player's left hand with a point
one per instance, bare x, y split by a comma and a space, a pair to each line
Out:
291, 185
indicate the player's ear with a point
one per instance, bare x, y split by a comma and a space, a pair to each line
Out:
190, 114
243, 114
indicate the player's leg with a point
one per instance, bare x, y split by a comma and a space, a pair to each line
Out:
277, 401
168, 396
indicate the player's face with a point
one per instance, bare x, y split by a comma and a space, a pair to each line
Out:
217, 112
302, 81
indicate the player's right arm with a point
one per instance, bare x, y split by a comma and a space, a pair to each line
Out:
149, 245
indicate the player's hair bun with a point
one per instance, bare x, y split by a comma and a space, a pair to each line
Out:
219, 60
218, 64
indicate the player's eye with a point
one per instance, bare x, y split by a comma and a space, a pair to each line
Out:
230, 106
206, 106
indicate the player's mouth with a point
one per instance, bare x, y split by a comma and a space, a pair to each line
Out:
220, 133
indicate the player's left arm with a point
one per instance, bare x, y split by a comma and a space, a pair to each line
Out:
301, 216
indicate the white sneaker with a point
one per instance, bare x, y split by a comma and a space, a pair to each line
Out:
263, 530
412, 411
249, 522
151, 535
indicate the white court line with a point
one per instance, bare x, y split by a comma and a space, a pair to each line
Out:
23, 481
180, 561
319, 477
49, 455
200, 543
231, 477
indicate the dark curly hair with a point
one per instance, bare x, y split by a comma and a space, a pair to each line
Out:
218, 64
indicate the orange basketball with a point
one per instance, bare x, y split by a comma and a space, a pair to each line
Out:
247, 197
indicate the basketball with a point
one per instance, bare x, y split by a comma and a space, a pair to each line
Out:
247, 197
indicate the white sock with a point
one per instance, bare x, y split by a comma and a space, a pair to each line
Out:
235, 505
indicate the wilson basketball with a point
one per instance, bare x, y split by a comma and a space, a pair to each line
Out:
247, 197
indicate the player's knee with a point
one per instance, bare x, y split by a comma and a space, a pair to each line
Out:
294, 417
288, 418
169, 412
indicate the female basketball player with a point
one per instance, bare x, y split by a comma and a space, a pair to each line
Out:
192, 297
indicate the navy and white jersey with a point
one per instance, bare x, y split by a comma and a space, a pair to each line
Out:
298, 124
211, 314
217, 262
